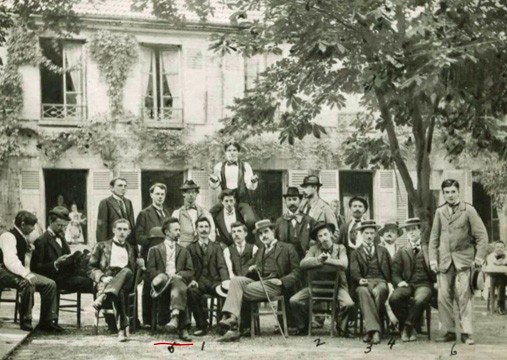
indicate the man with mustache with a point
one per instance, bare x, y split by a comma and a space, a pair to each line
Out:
294, 227
349, 236
277, 263
313, 205
210, 271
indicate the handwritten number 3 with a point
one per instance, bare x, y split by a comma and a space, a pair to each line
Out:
368, 348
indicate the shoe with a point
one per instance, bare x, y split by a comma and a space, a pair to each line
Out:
231, 335
244, 333
405, 336
500, 311
228, 323
413, 337
26, 325
97, 304
301, 331
367, 337
343, 333
122, 335
318, 323
50, 327
449, 336
376, 338
200, 332
172, 326
184, 335
467, 339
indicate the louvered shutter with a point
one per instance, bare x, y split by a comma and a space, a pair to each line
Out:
31, 195
133, 178
330, 185
99, 190
385, 197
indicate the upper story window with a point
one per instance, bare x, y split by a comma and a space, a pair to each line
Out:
162, 85
62, 88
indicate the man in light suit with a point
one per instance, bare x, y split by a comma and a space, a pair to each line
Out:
349, 236
188, 214
314, 206
115, 207
150, 217
458, 241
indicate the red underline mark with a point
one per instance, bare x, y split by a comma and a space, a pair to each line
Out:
172, 344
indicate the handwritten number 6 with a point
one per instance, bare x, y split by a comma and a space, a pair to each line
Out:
453, 352
170, 348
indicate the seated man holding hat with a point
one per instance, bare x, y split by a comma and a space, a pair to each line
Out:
499, 280
277, 264
170, 270
210, 271
370, 271
324, 253
413, 278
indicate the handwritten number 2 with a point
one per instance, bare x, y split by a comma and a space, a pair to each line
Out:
453, 352
368, 347
318, 343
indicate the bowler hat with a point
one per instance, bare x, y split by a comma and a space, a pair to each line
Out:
311, 180
293, 191
159, 284
367, 224
189, 185
415, 221
223, 288
360, 199
390, 224
319, 226
262, 224
60, 213
156, 236
477, 279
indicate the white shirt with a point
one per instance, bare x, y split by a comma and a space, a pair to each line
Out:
170, 257
232, 175
359, 235
119, 256
391, 248
58, 240
227, 256
10, 254
229, 219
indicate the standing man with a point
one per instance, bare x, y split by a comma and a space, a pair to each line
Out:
114, 263
210, 272
150, 217
458, 241
370, 269
113, 208
294, 227
324, 253
277, 263
240, 255
188, 214
170, 270
313, 205
413, 279
15, 256
350, 237
52, 257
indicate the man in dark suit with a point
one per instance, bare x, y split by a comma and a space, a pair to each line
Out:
294, 227
210, 272
170, 270
412, 277
240, 255
115, 207
370, 269
277, 263
114, 264
150, 217
52, 257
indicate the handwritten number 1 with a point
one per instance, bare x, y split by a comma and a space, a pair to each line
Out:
202, 347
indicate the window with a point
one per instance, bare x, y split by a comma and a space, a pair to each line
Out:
162, 87
62, 91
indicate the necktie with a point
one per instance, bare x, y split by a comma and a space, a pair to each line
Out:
160, 213
369, 250
307, 210
170, 244
417, 248
124, 245
240, 250
123, 208
229, 213
353, 233
189, 207
204, 247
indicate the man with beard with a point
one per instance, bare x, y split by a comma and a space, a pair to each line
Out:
52, 257
324, 253
277, 263
210, 271
294, 227
314, 206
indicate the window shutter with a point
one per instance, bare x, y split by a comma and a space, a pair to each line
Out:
233, 67
330, 185
385, 196
31, 195
133, 178
195, 86
99, 190
401, 201
296, 177
214, 88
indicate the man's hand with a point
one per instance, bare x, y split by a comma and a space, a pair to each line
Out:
254, 179
140, 263
403, 284
478, 262
276, 282
252, 268
363, 282
434, 268
323, 257
30, 277
106, 279
193, 284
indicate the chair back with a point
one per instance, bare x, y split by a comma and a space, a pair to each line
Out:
323, 283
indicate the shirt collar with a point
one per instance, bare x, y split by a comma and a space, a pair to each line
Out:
416, 245
51, 232
272, 245
117, 197
169, 243
240, 246
20, 232
204, 242
157, 208
117, 242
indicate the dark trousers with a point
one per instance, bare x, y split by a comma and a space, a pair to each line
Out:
500, 282
173, 298
406, 311
116, 292
372, 298
76, 283
46, 287
197, 306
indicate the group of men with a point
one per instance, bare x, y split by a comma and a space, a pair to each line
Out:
193, 253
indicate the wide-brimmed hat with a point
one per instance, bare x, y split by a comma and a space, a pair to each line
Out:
60, 212
311, 180
189, 185
368, 224
223, 288
262, 224
477, 279
390, 224
156, 236
319, 226
360, 199
159, 284
293, 191
415, 221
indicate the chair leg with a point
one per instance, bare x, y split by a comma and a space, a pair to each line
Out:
284, 315
428, 321
16, 308
96, 327
154, 313
78, 309
310, 315
333, 318
252, 320
57, 305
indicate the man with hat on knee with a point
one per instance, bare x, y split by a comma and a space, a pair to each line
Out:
313, 205
413, 278
370, 270
278, 265
170, 270
325, 252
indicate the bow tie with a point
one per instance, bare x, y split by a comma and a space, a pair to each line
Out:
290, 217
229, 213
124, 245
188, 207
231, 163
328, 251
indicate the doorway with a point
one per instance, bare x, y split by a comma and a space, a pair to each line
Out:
267, 200
172, 179
486, 210
356, 183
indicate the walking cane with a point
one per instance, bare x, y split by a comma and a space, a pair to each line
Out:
270, 304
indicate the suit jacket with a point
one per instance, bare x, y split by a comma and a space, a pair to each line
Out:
302, 240
216, 265
188, 234
404, 264
338, 259
320, 211
109, 212
147, 219
101, 258
359, 263
287, 265
457, 238
157, 256
45, 254
223, 236
344, 238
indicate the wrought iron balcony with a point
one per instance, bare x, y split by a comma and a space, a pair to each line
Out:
63, 112
166, 117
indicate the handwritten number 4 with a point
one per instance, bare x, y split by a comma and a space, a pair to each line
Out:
391, 342
318, 343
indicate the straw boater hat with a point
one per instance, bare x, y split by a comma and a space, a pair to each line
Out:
415, 221
293, 191
368, 224
311, 180
262, 224
189, 185
390, 224
223, 288
319, 226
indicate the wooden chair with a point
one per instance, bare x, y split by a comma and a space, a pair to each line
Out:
256, 313
214, 304
323, 283
15, 301
72, 305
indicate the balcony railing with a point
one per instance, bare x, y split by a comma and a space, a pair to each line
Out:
63, 112
168, 117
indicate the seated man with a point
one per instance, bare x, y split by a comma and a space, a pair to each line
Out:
497, 257
15, 255
114, 264
278, 265
52, 257
370, 271
324, 253
210, 272
413, 278
240, 255
170, 270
